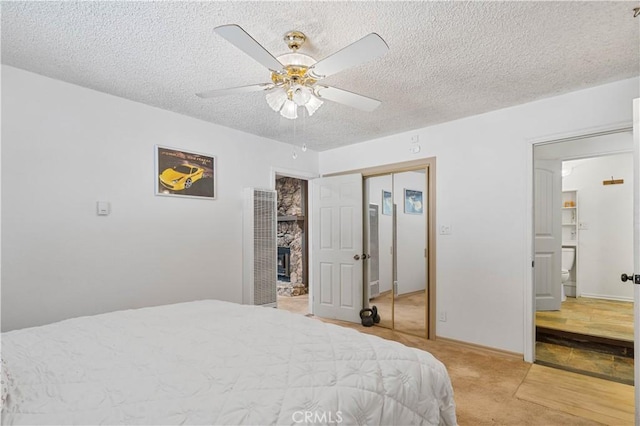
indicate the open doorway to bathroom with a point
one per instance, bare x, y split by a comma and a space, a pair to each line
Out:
293, 252
592, 331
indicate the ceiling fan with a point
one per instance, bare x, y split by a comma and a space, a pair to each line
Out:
295, 77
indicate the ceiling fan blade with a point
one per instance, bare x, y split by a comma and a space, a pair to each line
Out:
347, 98
234, 90
235, 35
367, 48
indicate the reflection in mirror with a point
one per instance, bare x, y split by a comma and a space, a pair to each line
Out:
378, 273
396, 239
410, 299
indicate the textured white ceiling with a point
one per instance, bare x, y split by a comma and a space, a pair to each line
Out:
447, 60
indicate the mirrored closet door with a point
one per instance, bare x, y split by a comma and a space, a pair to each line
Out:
396, 241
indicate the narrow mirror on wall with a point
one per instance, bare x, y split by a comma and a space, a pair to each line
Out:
395, 239
410, 295
378, 274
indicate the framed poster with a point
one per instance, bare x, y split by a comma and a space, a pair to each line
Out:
412, 201
182, 173
387, 204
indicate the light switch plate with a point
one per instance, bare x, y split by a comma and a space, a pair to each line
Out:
104, 208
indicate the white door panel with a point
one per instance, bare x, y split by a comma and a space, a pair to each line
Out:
548, 234
337, 247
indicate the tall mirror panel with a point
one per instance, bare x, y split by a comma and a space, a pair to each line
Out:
396, 248
378, 243
410, 286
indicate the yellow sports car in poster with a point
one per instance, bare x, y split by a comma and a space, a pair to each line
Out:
181, 177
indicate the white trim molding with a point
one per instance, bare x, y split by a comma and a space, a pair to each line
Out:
529, 323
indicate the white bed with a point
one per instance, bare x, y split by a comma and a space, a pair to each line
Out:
212, 362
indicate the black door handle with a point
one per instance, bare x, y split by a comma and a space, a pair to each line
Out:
630, 277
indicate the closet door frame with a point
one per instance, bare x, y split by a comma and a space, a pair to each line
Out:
429, 165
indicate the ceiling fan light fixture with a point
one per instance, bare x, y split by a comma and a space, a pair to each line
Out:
276, 98
297, 60
289, 110
300, 95
313, 104
294, 75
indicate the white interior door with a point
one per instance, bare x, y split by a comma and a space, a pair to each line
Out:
636, 249
548, 234
336, 256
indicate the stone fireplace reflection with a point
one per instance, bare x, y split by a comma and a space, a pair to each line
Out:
292, 250
284, 264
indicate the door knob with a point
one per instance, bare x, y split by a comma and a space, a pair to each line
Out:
630, 277
356, 257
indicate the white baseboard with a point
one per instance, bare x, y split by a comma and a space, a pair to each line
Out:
600, 296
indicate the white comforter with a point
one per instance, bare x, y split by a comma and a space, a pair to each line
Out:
212, 362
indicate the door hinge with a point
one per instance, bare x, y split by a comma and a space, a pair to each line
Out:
533, 263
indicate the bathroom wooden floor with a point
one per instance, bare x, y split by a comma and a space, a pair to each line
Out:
590, 317
593, 317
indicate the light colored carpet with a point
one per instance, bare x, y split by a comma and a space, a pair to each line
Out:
487, 384
295, 304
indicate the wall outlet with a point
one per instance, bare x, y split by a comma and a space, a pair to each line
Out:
442, 316
445, 229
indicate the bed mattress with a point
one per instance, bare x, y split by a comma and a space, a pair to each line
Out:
213, 362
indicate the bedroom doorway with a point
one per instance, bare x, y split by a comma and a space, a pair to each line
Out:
292, 232
590, 328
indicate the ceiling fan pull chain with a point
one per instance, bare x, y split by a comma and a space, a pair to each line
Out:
304, 129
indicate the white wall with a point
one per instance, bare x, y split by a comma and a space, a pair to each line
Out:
605, 249
484, 194
64, 148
